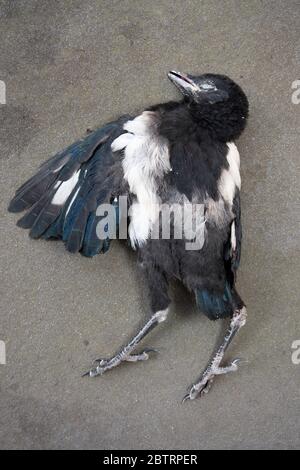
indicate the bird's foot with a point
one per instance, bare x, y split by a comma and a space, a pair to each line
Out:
107, 364
204, 384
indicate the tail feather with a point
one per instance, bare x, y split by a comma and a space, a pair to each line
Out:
217, 305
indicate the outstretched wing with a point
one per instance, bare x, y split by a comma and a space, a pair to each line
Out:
62, 198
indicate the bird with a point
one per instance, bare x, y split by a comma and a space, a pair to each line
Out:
172, 154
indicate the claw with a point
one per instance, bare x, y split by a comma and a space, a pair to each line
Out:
195, 393
99, 370
148, 350
239, 360
186, 398
86, 374
91, 373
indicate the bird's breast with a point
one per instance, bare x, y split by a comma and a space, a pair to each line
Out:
156, 176
146, 161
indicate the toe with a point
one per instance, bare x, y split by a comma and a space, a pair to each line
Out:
142, 356
101, 361
239, 361
149, 350
186, 398
90, 373
199, 390
191, 395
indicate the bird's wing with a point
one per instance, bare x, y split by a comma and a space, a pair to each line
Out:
61, 199
215, 303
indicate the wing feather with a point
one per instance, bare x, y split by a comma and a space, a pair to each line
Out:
63, 196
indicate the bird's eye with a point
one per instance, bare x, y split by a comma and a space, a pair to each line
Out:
207, 87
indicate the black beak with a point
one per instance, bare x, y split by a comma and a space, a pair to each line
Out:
183, 81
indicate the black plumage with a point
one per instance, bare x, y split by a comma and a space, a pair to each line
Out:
172, 153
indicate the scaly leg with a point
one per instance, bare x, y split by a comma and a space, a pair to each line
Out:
204, 383
158, 287
125, 354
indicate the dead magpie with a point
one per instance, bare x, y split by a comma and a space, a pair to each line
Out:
172, 153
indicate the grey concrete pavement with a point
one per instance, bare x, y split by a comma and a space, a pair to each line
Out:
71, 65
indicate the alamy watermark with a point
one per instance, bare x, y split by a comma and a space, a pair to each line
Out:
2, 353
2, 92
156, 221
296, 352
296, 93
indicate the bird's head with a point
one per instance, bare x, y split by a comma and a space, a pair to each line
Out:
214, 97
206, 89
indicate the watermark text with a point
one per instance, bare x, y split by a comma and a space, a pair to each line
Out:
184, 221
2, 353
296, 93
2, 92
296, 352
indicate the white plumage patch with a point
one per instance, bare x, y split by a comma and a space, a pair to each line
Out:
146, 160
230, 178
233, 237
72, 200
233, 158
217, 211
64, 189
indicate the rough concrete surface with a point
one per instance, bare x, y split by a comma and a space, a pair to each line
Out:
71, 65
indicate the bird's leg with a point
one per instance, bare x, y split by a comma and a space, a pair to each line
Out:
125, 354
204, 383
158, 286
